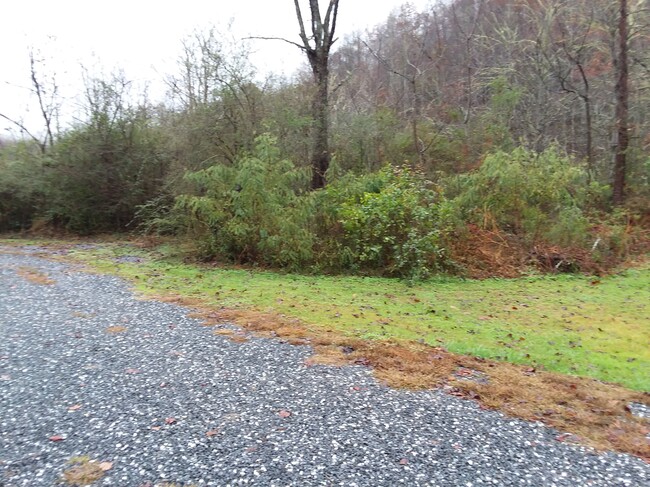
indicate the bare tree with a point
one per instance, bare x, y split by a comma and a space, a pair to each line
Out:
47, 95
468, 33
317, 47
46, 100
567, 45
622, 96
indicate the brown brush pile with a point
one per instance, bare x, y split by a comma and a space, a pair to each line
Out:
483, 253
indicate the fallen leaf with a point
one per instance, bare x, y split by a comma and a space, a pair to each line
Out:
56, 438
106, 466
170, 420
284, 413
403, 461
76, 407
116, 329
211, 433
132, 371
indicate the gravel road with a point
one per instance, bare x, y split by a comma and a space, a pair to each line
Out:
168, 402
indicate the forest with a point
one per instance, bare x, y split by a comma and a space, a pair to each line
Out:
472, 137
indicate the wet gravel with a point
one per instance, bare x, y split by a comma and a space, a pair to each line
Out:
167, 400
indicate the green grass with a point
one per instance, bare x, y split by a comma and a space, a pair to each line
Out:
577, 325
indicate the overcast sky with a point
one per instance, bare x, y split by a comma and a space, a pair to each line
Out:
142, 37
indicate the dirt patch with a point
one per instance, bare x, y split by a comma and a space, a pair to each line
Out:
35, 276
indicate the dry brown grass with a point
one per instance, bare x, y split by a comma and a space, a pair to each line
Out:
34, 276
596, 412
85, 471
485, 253
234, 336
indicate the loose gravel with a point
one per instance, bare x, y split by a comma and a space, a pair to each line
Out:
164, 399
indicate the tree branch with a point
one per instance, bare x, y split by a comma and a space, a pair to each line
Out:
301, 23
263, 38
40, 143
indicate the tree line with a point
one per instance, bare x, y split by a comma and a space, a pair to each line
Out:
400, 150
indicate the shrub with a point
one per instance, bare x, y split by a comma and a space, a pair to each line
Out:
252, 211
22, 185
535, 196
396, 225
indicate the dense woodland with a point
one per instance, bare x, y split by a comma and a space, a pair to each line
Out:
476, 137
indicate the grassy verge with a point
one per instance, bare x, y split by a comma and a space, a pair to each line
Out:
571, 338
598, 328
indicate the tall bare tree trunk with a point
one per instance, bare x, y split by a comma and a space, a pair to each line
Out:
320, 158
317, 47
622, 96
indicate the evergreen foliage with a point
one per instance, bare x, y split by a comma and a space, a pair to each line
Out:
399, 228
252, 211
536, 196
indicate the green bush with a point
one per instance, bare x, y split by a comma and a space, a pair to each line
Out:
22, 185
252, 211
260, 211
535, 196
396, 225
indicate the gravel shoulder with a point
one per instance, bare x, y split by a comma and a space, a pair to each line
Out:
87, 369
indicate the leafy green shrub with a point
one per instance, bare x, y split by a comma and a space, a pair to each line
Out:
397, 227
259, 211
252, 211
22, 186
535, 196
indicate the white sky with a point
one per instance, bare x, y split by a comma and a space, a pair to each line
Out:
142, 37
